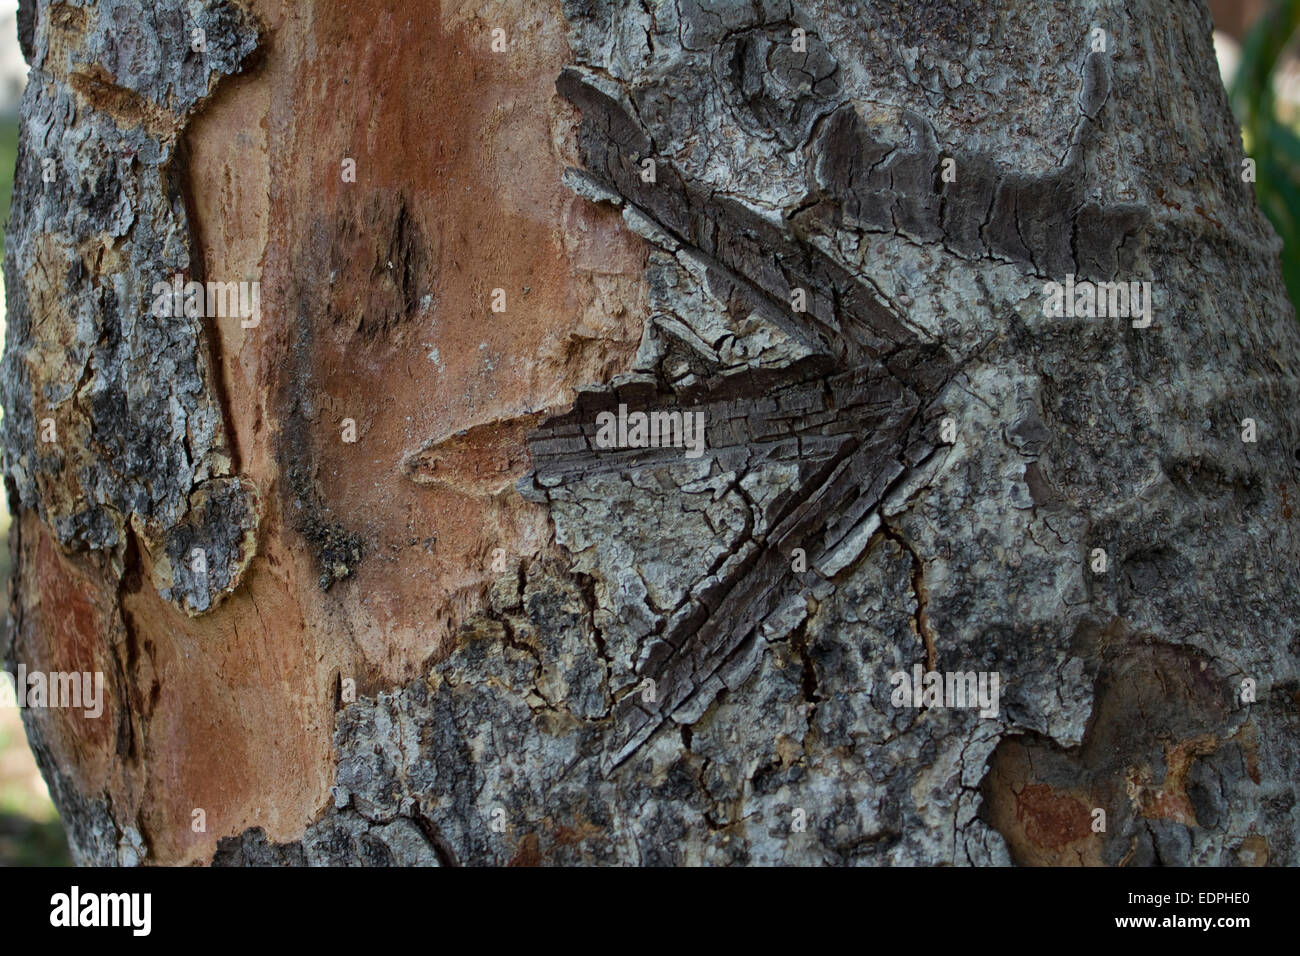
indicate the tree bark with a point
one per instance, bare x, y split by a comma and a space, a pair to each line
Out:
364, 581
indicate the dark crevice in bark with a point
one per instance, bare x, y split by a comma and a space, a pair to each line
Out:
446, 855
919, 595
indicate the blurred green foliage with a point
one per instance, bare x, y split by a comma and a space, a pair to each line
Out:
30, 831
1269, 130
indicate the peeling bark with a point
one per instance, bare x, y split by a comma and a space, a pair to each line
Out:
567, 653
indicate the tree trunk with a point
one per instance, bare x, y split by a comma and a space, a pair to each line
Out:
370, 575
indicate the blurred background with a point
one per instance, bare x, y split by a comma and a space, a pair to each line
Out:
1259, 60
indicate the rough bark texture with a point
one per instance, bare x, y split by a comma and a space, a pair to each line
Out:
830, 536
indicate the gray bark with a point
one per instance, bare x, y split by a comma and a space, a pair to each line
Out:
697, 668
